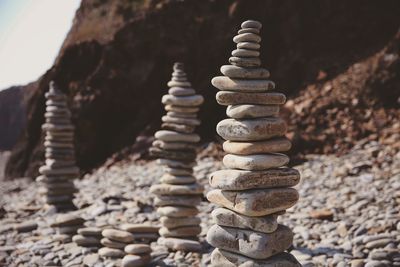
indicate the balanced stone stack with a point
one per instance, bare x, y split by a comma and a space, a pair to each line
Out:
88, 237
68, 223
179, 193
137, 255
256, 187
59, 168
114, 242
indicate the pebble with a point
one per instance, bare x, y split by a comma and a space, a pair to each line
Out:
137, 249
118, 235
26, 227
255, 162
233, 98
111, 252
245, 86
232, 71
251, 111
180, 244
248, 148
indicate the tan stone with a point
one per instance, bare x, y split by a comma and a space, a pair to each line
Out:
255, 162
236, 98
176, 211
252, 111
238, 85
260, 147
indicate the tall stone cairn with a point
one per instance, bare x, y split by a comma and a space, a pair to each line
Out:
178, 194
256, 186
59, 170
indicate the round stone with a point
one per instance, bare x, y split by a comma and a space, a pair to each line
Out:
249, 30
185, 101
245, 53
132, 261
248, 45
112, 243
178, 171
171, 136
264, 224
186, 156
252, 244
181, 109
179, 120
137, 249
86, 241
110, 252
179, 244
171, 222
190, 201
56, 103
175, 179
257, 202
68, 230
68, 219
168, 189
260, 147
140, 228
180, 128
247, 37
243, 180
175, 211
185, 231
251, 24
251, 130
179, 84
181, 114
247, 86
256, 162
233, 98
118, 235
90, 231
61, 186
252, 111
220, 257
181, 91
244, 73
46, 170
173, 145
245, 61
176, 163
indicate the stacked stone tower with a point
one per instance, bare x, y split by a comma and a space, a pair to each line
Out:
256, 186
179, 193
59, 170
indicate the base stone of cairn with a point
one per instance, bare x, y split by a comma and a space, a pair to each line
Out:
60, 169
178, 194
256, 187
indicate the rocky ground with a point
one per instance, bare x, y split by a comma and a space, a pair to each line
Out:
348, 213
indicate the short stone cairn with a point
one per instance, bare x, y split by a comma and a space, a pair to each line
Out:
88, 237
68, 224
137, 255
178, 194
114, 242
59, 170
256, 187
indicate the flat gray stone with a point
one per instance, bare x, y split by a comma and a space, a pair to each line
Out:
249, 30
181, 115
179, 84
112, 243
137, 249
180, 128
179, 120
176, 163
68, 219
226, 217
118, 235
244, 73
181, 91
132, 261
184, 231
251, 24
90, 231
168, 189
46, 170
225, 258
26, 226
245, 61
175, 179
182, 109
251, 130
175, 211
171, 136
111, 252
86, 241
177, 155
260, 147
252, 111
190, 201
171, 222
256, 162
243, 180
179, 244
256, 202
174, 145
236, 98
248, 45
185, 101
247, 37
178, 171
246, 86
140, 228
248, 243
245, 53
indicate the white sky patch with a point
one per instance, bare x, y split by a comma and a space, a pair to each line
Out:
31, 34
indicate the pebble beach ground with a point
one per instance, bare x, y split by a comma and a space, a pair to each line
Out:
348, 213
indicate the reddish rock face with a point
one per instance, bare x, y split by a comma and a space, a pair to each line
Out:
116, 61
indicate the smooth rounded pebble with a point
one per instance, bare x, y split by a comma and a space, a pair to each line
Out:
181, 109
249, 30
256, 202
118, 235
260, 147
140, 228
167, 189
175, 211
179, 244
245, 53
256, 162
190, 201
251, 24
184, 231
170, 222
132, 261
180, 120
252, 111
175, 179
252, 244
243, 180
171, 136
181, 91
234, 98
111, 252
186, 101
137, 249
248, 45
112, 244
251, 130
245, 61
86, 241
244, 73
247, 37
245, 86
173, 145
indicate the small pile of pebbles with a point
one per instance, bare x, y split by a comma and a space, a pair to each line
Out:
88, 237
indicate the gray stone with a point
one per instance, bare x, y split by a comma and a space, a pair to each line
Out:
256, 162
180, 91
249, 243
248, 45
251, 24
251, 111
242, 180
246, 86
175, 179
173, 145
244, 73
167, 189
249, 30
132, 261
176, 163
118, 235
180, 128
27, 226
138, 249
255, 202
245, 53
90, 231
181, 109
247, 37
176, 211
69, 219
236, 98
139, 228
245, 61
190, 201
181, 115
251, 130
260, 147
184, 231
111, 252
86, 241
179, 244
179, 84
178, 120
112, 243
171, 136
170, 222
185, 101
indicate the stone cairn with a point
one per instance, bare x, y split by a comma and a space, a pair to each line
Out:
256, 187
59, 170
88, 237
178, 194
67, 224
114, 242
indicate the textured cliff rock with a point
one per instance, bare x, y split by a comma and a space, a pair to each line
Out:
115, 62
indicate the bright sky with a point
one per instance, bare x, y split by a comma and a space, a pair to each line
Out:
31, 33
